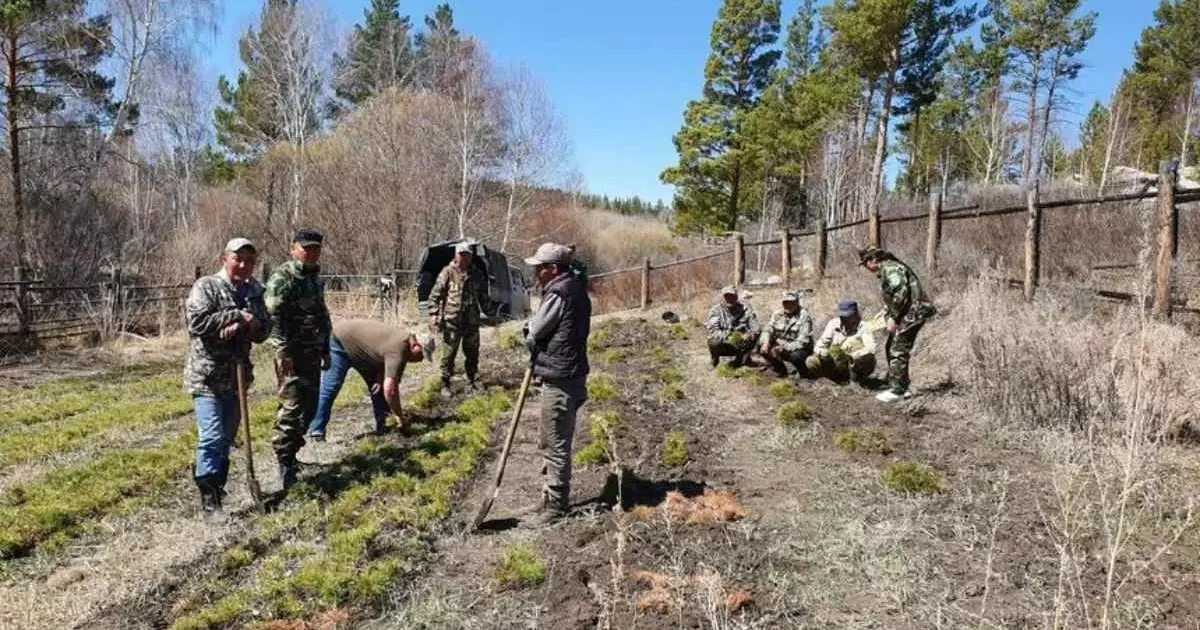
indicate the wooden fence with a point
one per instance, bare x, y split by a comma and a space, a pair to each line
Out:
33, 312
1166, 261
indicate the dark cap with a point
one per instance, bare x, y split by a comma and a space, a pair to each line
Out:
868, 254
847, 308
307, 236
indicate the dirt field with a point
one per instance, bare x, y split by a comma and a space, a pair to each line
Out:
754, 523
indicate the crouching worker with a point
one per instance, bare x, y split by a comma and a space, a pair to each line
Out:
788, 336
732, 329
225, 314
379, 353
846, 348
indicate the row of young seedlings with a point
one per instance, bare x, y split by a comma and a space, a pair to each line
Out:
901, 477
348, 552
46, 514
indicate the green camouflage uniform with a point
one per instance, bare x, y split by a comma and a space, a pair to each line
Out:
455, 302
788, 339
300, 328
907, 306
732, 331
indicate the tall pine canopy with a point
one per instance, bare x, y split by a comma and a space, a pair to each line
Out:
378, 56
712, 193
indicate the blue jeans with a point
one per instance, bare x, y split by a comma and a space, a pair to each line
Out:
217, 420
331, 384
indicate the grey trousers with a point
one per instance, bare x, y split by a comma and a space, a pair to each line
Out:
560, 401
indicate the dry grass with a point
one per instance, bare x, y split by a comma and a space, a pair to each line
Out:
714, 506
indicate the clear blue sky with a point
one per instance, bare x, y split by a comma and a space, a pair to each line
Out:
621, 71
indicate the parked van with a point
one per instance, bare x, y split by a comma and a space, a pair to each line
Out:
508, 287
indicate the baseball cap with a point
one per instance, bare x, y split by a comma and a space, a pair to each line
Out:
238, 244
790, 296
729, 289
307, 236
868, 253
846, 308
428, 345
550, 254
463, 248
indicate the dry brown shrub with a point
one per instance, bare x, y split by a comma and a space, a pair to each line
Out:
738, 600
641, 513
714, 506
657, 597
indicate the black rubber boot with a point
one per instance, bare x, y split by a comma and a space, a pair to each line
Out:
289, 471
445, 392
210, 499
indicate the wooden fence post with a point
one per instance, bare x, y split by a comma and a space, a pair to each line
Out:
873, 236
645, 301
934, 238
822, 250
739, 260
1167, 260
395, 295
1033, 241
22, 297
785, 256
197, 272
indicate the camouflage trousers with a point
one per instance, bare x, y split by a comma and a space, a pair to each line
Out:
857, 369
740, 350
452, 338
298, 398
779, 358
899, 351
560, 402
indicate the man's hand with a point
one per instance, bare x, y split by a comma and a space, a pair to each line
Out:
765, 349
230, 331
376, 388
286, 369
892, 327
433, 323
324, 361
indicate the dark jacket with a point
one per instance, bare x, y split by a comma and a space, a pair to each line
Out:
558, 332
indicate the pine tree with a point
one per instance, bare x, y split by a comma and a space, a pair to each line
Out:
378, 56
437, 46
1165, 79
1093, 141
52, 53
711, 178
1046, 37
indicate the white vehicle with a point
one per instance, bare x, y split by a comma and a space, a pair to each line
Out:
508, 288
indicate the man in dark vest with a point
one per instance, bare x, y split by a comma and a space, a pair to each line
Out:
557, 336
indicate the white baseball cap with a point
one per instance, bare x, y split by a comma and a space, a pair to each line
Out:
238, 244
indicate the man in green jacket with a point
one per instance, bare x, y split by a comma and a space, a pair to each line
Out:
907, 311
300, 327
455, 308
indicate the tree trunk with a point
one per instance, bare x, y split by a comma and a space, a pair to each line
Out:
14, 151
1187, 125
881, 130
1031, 121
508, 213
735, 190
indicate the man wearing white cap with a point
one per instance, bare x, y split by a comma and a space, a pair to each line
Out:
225, 314
732, 329
557, 336
787, 338
455, 308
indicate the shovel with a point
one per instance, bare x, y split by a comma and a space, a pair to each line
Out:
512, 432
244, 407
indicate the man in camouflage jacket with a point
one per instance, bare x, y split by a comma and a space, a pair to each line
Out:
300, 328
732, 329
907, 311
225, 314
455, 308
787, 338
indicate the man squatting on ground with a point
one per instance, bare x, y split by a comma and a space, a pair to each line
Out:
557, 336
455, 308
225, 314
300, 328
787, 338
732, 329
846, 349
907, 312
378, 352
